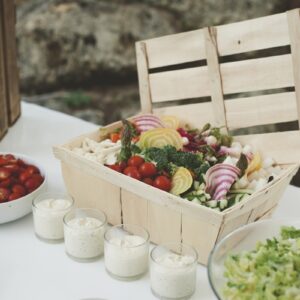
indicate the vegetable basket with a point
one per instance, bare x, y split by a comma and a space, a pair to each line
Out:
204, 71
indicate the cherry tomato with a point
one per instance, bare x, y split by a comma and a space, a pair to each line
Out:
115, 136
24, 176
132, 172
4, 194
148, 180
115, 167
32, 169
32, 184
163, 183
38, 177
14, 196
135, 161
6, 159
6, 183
123, 165
14, 168
19, 189
147, 169
4, 173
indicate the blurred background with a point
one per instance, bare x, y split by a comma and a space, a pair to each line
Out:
78, 56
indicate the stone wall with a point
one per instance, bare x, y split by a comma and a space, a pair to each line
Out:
88, 45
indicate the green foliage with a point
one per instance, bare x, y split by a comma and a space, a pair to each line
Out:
77, 99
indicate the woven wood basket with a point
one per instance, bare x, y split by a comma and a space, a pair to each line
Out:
170, 218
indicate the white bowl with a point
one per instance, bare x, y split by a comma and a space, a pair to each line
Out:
16, 209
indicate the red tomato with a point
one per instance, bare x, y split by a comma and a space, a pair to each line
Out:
32, 184
32, 169
135, 161
14, 168
8, 158
132, 172
123, 165
115, 167
24, 176
148, 180
14, 196
19, 189
4, 194
115, 136
162, 183
147, 169
6, 183
4, 173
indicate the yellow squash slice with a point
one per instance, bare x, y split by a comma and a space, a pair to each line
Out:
181, 181
160, 137
170, 121
255, 164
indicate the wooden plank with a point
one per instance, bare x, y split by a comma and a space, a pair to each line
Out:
294, 34
215, 79
199, 234
195, 115
3, 102
239, 76
90, 191
11, 68
260, 110
164, 224
143, 76
134, 209
179, 84
261, 33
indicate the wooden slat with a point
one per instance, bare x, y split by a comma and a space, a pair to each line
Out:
11, 68
239, 76
262, 33
215, 79
294, 33
196, 115
3, 103
261, 110
179, 84
142, 68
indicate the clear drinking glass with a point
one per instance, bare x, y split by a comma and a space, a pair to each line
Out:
173, 271
84, 233
126, 251
49, 209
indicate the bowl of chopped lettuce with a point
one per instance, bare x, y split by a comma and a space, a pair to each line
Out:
258, 261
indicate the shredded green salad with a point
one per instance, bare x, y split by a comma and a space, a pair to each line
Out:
269, 272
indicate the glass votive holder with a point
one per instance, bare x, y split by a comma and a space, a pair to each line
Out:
49, 209
84, 233
126, 251
173, 271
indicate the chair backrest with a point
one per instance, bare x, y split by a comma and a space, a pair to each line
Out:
189, 66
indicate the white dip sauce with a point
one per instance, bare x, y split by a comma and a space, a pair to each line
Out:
173, 276
84, 237
48, 218
126, 256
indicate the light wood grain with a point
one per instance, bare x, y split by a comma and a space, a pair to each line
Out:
91, 192
239, 76
261, 110
215, 80
134, 209
294, 34
262, 33
142, 68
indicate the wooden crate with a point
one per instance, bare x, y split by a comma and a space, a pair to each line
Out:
170, 218
9, 78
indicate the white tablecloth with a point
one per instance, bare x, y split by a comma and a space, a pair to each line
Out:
33, 270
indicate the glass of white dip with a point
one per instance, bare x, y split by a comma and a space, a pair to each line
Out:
48, 211
126, 251
84, 231
173, 271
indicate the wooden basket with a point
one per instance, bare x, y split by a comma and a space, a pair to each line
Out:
9, 78
170, 218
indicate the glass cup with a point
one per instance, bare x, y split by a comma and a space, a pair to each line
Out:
173, 271
126, 251
84, 233
49, 209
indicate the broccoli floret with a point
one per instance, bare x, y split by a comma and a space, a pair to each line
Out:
185, 159
201, 170
158, 155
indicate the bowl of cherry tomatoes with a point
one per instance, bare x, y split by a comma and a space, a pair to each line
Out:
21, 180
